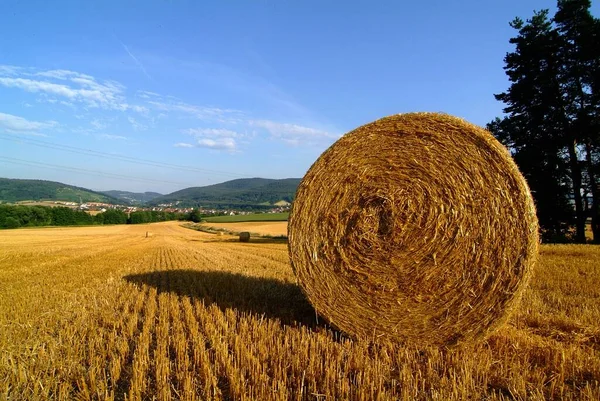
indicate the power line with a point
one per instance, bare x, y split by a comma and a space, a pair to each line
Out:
128, 159
12, 160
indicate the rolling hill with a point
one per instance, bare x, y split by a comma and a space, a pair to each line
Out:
245, 193
133, 197
15, 190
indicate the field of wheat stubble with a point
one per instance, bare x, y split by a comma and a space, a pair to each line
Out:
108, 313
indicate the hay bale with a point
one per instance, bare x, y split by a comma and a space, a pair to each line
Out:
244, 236
415, 228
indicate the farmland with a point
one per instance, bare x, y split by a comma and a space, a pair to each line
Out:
110, 313
270, 228
249, 218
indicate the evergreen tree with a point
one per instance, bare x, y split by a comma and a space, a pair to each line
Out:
552, 113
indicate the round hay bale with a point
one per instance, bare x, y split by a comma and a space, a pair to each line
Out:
415, 228
244, 236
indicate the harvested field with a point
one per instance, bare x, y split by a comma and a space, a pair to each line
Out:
106, 313
276, 228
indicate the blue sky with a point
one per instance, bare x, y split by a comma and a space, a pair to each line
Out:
163, 95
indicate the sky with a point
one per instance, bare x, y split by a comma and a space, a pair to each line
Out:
163, 95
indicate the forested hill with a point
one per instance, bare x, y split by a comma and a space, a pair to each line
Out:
250, 193
15, 190
133, 197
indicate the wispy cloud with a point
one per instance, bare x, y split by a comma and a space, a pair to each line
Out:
199, 112
213, 138
61, 74
20, 125
73, 86
97, 124
114, 137
9, 70
183, 145
226, 144
136, 125
293, 134
135, 59
211, 132
147, 94
217, 144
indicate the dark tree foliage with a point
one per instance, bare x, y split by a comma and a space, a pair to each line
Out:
37, 216
15, 216
551, 123
114, 216
195, 216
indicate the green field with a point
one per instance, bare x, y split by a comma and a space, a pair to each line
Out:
249, 217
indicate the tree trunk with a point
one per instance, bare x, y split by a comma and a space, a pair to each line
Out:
594, 190
576, 178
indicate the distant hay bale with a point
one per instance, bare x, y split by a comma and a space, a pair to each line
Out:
244, 236
415, 228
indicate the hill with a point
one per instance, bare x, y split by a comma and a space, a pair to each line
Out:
245, 193
133, 197
15, 190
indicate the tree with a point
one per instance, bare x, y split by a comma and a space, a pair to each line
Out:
195, 216
580, 54
550, 112
11, 222
113, 216
139, 217
63, 216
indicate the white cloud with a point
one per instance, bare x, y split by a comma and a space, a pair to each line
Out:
136, 124
61, 74
214, 138
73, 86
8, 70
199, 112
20, 125
218, 144
285, 129
147, 94
183, 145
39, 86
97, 124
114, 137
212, 132
294, 134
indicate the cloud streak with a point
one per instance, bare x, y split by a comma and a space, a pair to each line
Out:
219, 132
72, 86
19, 125
135, 60
199, 112
294, 134
114, 137
212, 138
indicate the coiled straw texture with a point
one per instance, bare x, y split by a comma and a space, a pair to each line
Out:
416, 228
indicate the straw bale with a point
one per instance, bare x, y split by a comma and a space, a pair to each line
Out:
244, 236
415, 228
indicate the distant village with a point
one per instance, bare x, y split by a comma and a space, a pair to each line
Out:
99, 207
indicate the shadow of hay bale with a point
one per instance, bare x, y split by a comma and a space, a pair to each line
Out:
262, 296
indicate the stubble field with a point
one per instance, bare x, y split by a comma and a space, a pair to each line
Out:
108, 313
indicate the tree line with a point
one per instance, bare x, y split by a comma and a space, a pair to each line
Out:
15, 216
552, 116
